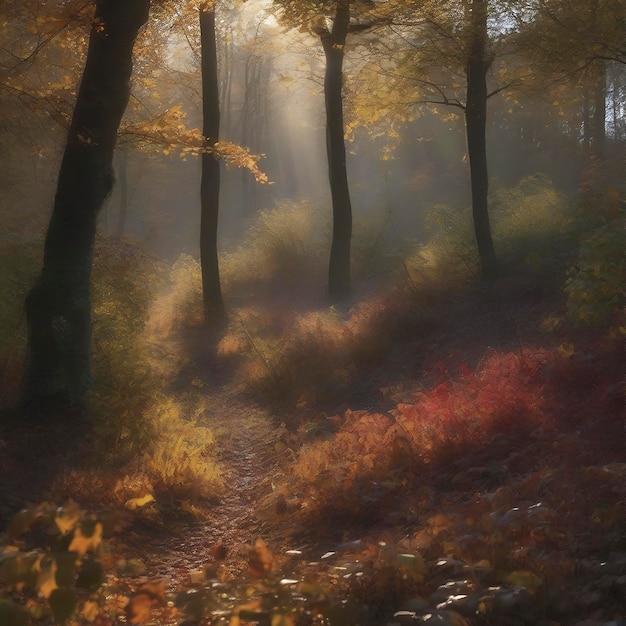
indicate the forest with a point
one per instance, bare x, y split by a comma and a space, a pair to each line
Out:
313, 312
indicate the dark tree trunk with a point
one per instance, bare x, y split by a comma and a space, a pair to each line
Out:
339, 284
58, 307
213, 302
476, 123
586, 121
599, 108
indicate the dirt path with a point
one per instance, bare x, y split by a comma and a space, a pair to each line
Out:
176, 545
247, 431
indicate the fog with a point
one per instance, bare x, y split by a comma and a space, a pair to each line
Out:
271, 82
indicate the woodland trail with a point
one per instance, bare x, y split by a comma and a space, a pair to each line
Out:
247, 431
245, 436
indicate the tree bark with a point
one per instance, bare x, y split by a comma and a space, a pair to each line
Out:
58, 307
214, 310
339, 281
476, 124
599, 108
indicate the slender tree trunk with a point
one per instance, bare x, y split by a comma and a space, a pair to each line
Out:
339, 281
599, 108
214, 310
586, 114
58, 307
476, 124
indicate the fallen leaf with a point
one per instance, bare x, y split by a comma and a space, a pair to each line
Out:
139, 607
67, 516
260, 559
87, 537
46, 577
137, 503
90, 610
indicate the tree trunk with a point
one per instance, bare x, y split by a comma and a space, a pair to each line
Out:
214, 310
339, 283
58, 307
599, 108
476, 123
586, 114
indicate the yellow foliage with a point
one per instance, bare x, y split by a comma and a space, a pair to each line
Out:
180, 456
90, 610
67, 516
138, 503
46, 569
89, 541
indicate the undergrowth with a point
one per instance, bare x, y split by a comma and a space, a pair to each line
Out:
286, 244
154, 438
595, 286
149, 441
508, 403
527, 221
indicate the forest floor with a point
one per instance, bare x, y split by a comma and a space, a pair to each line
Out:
528, 527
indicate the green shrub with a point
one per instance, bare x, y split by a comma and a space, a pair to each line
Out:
527, 218
526, 222
595, 285
449, 257
125, 282
283, 243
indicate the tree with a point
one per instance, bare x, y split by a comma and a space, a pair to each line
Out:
444, 54
210, 184
315, 16
58, 311
478, 63
334, 42
579, 44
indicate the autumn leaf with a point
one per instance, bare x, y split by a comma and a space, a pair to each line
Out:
260, 559
90, 576
155, 588
139, 607
46, 576
219, 551
526, 579
21, 522
11, 614
67, 516
90, 610
137, 503
566, 349
84, 540
17, 568
414, 565
65, 568
150, 595
251, 611
284, 619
